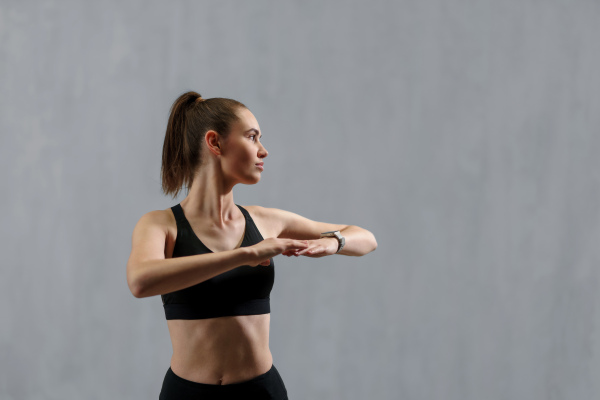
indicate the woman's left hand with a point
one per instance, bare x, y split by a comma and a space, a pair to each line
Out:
326, 246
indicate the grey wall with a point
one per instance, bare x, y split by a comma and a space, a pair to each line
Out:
463, 134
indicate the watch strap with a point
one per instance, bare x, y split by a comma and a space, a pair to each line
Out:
336, 234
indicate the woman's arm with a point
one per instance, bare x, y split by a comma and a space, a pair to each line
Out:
359, 241
150, 274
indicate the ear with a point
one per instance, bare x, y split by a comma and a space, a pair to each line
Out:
213, 142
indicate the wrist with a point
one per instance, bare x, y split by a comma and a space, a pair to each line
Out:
246, 254
333, 243
341, 241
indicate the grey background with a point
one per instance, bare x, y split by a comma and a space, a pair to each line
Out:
463, 134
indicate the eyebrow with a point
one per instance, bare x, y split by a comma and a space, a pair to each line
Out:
255, 131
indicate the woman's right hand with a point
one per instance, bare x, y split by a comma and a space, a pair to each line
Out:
271, 247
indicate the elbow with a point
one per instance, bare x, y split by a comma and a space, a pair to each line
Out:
135, 287
373, 243
136, 291
367, 244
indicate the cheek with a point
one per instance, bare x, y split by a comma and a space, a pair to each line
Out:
245, 154
241, 157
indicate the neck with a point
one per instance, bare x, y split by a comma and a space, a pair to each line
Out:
211, 196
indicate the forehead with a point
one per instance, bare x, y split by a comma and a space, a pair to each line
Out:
247, 119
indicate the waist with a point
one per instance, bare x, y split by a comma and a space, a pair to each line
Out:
219, 350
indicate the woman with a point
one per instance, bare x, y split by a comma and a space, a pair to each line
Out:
208, 257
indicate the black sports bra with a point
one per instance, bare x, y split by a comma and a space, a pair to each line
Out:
243, 290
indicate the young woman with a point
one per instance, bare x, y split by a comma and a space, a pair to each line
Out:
211, 260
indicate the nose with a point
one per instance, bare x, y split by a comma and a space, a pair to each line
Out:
262, 152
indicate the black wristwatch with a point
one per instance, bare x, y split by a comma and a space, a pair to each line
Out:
338, 236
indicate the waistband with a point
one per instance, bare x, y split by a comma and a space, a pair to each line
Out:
198, 385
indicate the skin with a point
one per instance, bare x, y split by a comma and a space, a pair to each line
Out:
235, 349
228, 349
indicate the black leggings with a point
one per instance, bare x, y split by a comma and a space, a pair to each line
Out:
268, 386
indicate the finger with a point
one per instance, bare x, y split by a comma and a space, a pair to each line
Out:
313, 251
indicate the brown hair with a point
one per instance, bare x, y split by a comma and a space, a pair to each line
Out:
191, 117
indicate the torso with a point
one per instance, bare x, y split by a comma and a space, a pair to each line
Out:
225, 350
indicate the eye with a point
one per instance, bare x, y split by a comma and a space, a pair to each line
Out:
253, 137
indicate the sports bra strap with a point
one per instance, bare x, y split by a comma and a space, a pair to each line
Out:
178, 212
244, 211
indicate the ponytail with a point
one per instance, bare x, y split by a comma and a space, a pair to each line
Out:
190, 118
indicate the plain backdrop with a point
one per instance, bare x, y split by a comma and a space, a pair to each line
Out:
463, 134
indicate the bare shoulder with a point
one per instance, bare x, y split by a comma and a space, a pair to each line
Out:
256, 210
162, 218
265, 219
149, 239
166, 219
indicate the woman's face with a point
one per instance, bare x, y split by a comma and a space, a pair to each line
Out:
243, 150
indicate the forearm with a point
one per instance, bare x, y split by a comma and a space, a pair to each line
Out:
168, 275
359, 241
